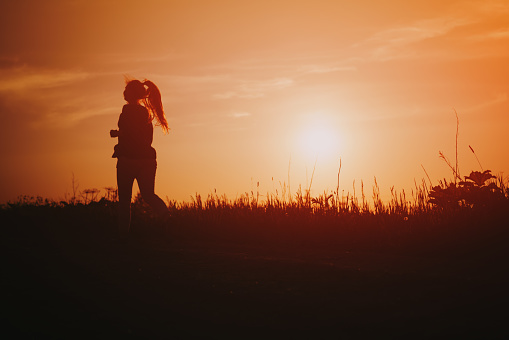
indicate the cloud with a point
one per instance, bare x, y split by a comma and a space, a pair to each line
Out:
60, 118
198, 86
140, 58
497, 99
391, 43
240, 114
48, 99
192, 80
233, 94
24, 78
267, 85
322, 69
493, 7
258, 77
447, 35
256, 88
498, 34
7, 62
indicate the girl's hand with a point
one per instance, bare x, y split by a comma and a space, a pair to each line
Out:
114, 133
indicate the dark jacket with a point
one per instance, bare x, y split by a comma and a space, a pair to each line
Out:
135, 133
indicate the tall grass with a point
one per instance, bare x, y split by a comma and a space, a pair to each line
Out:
408, 222
330, 203
470, 209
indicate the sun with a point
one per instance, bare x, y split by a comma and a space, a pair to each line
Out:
318, 137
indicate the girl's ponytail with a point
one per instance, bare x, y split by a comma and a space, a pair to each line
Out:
154, 104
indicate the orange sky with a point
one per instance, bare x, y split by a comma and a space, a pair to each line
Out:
254, 91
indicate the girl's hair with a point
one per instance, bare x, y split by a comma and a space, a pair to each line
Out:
151, 97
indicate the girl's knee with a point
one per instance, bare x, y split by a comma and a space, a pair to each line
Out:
155, 202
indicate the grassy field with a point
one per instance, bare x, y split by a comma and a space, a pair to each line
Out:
328, 266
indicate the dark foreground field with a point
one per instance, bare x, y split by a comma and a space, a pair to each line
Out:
65, 274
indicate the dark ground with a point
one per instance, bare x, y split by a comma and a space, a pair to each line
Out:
66, 282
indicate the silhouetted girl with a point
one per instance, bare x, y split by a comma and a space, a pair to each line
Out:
136, 156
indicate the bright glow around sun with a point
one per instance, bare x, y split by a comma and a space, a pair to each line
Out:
318, 137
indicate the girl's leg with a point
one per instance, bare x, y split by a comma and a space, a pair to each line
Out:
146, 182
125, 179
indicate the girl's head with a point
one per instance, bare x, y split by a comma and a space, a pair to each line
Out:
147, 92
134, 91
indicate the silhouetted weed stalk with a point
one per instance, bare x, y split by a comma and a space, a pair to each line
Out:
480, 190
